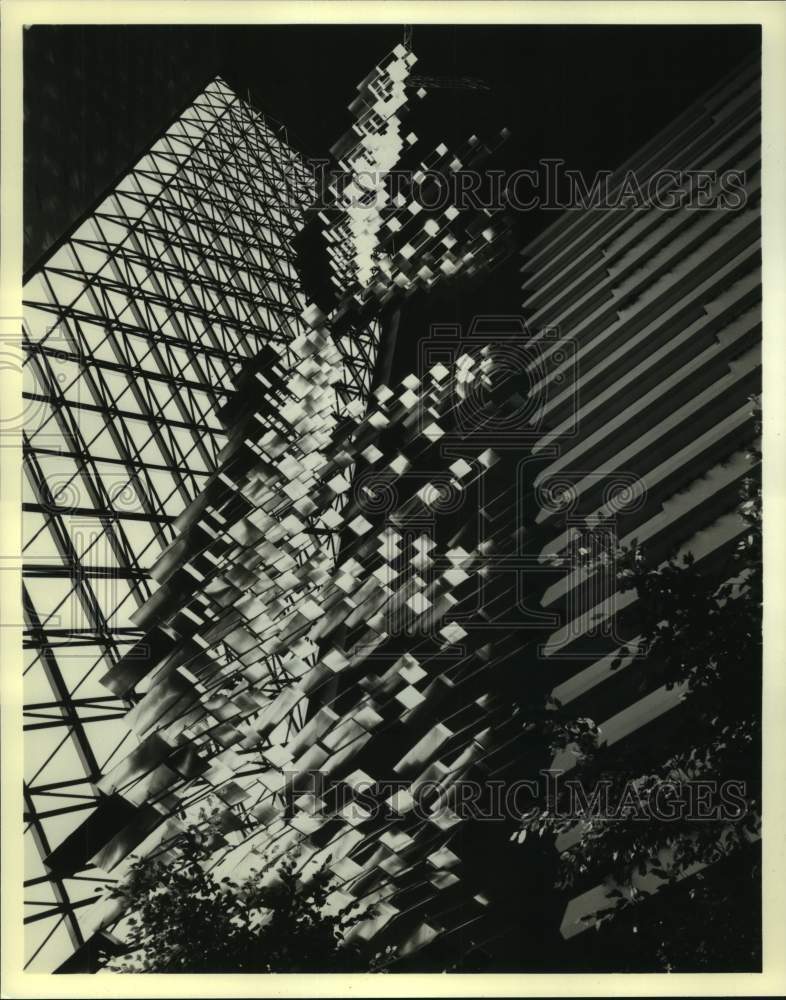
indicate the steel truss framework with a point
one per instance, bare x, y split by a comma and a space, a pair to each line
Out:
135, 327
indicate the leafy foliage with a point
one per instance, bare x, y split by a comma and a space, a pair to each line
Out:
700, 631
185, 920
712, 926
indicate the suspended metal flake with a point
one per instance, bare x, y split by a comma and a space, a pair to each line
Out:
193, 427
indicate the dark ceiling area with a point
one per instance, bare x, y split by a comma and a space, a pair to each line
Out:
95, 96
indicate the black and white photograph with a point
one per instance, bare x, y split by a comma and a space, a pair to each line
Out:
388, 466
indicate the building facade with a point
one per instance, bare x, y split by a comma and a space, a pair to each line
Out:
346, 619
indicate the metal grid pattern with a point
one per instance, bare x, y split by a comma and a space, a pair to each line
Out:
135, 327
